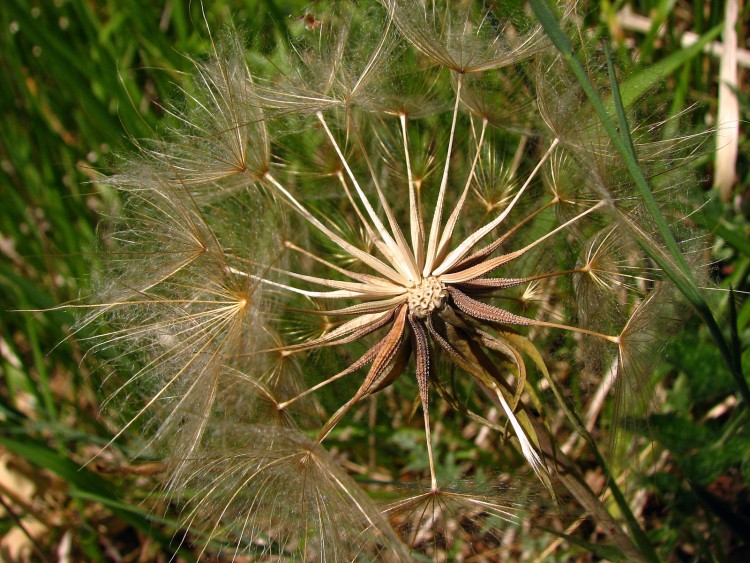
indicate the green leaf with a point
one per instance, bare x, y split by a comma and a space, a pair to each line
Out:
677, 433
713, 218
707, 377
605, 552
659, 15
704, 451
644, 80
708, 463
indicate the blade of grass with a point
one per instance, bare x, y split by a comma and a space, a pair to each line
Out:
605, 552
734, 330
679, 100
659, 16
670, 260
561, 42
617, 100
90, 484
643, 80
713, 220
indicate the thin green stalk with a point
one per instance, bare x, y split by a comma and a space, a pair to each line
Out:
673, 263
560, 40
619, 108
734, 332
638, 533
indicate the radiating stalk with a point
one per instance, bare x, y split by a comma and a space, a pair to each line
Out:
464, 248
366, 258
436, 218
489, 265
382, 231
416, 220
453, 219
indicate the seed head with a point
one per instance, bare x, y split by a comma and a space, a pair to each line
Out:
428, 295
397, 196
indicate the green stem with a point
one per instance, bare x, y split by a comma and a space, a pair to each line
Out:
673, 263
638, 533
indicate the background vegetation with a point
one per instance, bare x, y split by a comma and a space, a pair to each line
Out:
79, 79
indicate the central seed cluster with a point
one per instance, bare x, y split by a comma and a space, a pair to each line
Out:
426, 296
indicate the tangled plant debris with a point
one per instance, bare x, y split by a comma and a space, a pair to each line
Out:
421, 200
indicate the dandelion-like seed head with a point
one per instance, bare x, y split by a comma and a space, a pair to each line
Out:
394, 196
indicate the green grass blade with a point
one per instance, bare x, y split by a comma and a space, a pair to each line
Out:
642, 81
605, 552
89, 483
671, 261
734, 330
622, 119
560, 40
658, 15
